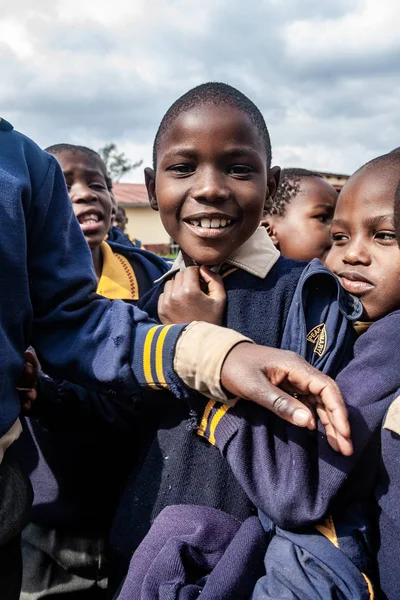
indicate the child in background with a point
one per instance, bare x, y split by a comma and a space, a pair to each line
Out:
75, 475
120, 223
212, 176
366, 259
298, 218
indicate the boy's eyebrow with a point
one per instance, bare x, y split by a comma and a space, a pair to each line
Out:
191, 153
369, 221
326, 205
89, 171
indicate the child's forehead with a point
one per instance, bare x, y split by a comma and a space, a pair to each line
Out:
371, 190
82, 161
212, 123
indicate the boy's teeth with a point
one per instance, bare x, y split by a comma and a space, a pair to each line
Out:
211, 223
90, 219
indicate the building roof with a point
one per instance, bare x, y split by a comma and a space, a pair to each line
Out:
131, 194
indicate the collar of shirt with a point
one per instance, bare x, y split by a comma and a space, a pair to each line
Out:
118, 280
257, 256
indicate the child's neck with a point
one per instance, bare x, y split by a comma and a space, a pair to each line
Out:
97, 258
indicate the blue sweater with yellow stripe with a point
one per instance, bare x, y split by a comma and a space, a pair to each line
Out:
176, 466
76, 477
48, 285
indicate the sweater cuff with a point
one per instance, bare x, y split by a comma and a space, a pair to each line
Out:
154, 351
219, 422
200, 354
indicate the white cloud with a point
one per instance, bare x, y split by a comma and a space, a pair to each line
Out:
325, 75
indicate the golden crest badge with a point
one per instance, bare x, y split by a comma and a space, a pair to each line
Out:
318, 337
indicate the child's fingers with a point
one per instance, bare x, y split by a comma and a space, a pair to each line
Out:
214, 282
191, 280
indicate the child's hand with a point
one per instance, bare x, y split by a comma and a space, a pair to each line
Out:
183, 299
254, 372
28, 382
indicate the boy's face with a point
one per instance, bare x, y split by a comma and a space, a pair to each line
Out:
87, 188
364, 254
211, 181
303, 232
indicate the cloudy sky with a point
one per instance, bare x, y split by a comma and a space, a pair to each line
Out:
326, 75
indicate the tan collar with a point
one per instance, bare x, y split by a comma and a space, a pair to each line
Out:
257, 256
392, 421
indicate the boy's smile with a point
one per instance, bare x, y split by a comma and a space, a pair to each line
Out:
365, 255
211, 181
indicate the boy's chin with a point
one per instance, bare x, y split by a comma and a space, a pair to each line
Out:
208, 259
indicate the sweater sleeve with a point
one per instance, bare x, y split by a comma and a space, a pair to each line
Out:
64, 406
292, 474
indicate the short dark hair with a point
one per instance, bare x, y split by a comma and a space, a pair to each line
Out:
58, 148
217, 94
288, 188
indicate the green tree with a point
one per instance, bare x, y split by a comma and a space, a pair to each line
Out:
117, 163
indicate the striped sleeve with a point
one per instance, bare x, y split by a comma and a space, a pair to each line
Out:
155, 345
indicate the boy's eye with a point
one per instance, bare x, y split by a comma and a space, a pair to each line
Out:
337, 238
386, 236
240, 170
182, 169
98, 186
324, 218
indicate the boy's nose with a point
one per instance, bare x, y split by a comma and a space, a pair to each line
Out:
82, 193
210, 187
357, 253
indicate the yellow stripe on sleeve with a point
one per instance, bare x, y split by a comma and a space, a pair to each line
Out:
147, 356
215, 420
159, 356
203, 424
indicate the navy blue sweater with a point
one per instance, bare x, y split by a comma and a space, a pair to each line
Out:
47, 289
76, 476
177, 467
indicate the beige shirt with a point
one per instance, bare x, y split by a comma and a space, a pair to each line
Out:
202, 348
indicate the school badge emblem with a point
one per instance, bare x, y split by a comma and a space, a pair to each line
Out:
318, 337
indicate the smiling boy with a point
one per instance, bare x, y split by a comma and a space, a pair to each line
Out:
212, 175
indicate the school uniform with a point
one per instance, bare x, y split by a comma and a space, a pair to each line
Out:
76, 476
318, 326
177, 467
321, 503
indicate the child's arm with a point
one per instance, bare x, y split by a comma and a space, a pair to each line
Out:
292, 474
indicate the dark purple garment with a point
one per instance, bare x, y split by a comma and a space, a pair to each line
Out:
196, 550
293, 475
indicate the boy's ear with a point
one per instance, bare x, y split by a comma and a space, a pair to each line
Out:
268, 222
150, 181
273, 181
